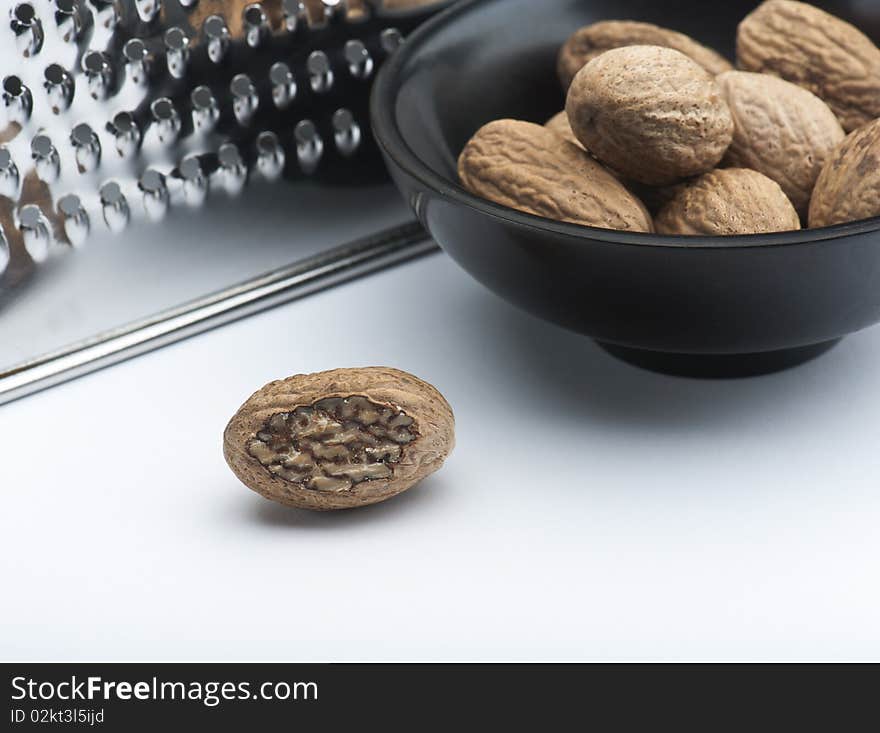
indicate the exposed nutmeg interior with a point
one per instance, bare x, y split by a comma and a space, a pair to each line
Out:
334, 443
339, 439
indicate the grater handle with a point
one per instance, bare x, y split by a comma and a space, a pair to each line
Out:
363, 256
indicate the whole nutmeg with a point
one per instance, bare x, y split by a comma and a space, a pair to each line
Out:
590, 41
652, 197
728, 201
650, 113
339, 439
532, 169
781, 130
848, 188
815, 50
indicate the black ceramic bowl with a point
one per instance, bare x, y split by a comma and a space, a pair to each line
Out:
685, 304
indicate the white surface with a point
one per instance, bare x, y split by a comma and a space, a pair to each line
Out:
590, 510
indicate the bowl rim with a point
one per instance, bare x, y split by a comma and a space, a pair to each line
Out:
392, 144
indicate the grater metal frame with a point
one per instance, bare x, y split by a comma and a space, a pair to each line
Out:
347, 262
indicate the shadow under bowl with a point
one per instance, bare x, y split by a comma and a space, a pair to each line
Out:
704, 306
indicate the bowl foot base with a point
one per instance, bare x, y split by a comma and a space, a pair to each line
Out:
718, 366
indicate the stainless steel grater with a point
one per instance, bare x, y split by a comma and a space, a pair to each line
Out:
117, 114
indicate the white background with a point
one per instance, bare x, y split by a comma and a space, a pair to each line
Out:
590, 510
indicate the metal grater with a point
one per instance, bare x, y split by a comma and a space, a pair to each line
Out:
117, 112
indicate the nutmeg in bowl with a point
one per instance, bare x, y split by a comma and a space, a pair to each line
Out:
696, 303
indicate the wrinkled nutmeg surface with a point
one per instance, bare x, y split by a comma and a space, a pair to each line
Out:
533, 169
781, 130
848, 188
592, 40
650, 113
726, 202
815, 50
339, 439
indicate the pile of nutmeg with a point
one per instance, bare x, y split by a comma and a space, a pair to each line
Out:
660, 133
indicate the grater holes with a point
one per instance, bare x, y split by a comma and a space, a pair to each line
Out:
27, 28
87, 147
232, 170
75, 219
205, 110
283, 85
155, 194
270, 156
126, 133
69, 20
255, 24
195, 183
59, 86
55, 74
24, 14
390, 39
114, 206
245, 100
36, 231
296, 15
216, 34
47, 163
320, 72
136, 56
133, 69
358, 59
17, 100
98, 72
176, 52
346, 132
10, 177
166, 119
309, 146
